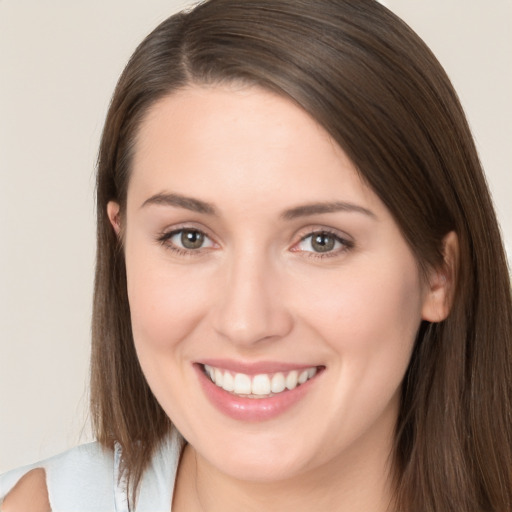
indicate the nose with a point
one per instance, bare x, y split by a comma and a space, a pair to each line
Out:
251, 308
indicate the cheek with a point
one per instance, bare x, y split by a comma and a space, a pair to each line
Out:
370, 318
165, 304
386, 299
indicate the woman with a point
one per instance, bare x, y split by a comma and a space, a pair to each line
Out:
299, 270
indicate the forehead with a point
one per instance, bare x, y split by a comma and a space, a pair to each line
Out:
193, 115
243, 140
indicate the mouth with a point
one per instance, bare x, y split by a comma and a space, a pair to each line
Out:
257, 392
261, 385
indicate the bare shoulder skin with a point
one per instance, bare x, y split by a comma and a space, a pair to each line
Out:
29, 495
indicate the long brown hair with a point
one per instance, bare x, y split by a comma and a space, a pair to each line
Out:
371, 82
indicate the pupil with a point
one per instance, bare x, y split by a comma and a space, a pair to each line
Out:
323, 242
192, 239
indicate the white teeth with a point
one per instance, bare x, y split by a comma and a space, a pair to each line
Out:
278, 383
291, 380
303, 377
242, 384
261, 385
228, 382
219, 376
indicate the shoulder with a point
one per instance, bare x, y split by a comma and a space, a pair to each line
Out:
80, 476
30, 494
88, 478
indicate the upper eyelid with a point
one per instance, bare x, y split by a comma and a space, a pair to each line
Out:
165, 240
320, 231
311, 230
346, 241
299, 235
341, 240
172, 230
164, 236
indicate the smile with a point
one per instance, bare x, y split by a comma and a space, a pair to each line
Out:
263, 385
258, 391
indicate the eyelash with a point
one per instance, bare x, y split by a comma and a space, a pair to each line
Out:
165, 240
346, 245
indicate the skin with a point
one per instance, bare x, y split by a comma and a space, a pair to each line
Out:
258, 290
29, 494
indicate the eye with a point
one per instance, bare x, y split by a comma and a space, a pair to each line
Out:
189, 239
186, 239
322, 242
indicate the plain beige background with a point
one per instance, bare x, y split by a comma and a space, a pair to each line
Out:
59, 62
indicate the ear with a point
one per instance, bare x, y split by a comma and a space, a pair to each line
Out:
442, 281
114, 216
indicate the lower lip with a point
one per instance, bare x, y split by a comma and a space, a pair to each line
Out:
252, 409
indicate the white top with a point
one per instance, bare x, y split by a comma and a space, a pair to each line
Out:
86, 479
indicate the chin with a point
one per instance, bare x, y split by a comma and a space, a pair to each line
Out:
259, 470
257, 458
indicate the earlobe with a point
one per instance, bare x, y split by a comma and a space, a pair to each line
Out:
113, 212
442, 282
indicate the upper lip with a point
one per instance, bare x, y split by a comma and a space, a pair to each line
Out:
255, 367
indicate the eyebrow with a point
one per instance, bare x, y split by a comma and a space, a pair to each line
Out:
189, 203
196, 205
330, 207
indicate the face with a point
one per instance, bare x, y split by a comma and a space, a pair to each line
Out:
274, 300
